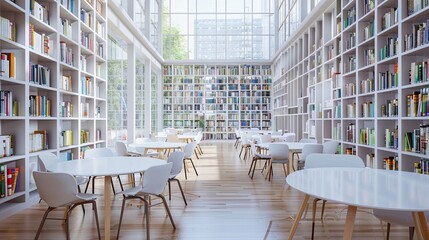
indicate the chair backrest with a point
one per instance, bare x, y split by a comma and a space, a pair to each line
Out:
172, 138
289, 137
155, 178
320, 160
177, 159
307, 140
121, 148
330, 147
141, 140
279, 151
47, 159
310, 148
99, 152
56, 189
189, 149
170, 131
199, 137
252, 148
265, 138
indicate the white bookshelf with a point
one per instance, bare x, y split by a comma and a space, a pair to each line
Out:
363, 42
73, 105
224, 97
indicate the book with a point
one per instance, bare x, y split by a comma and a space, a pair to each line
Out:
2, 181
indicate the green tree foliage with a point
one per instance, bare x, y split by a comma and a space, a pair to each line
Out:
174, 47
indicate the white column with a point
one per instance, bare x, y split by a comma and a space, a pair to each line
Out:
147, 97
131, 93
147, 18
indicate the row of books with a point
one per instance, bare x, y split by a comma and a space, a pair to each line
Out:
390, 49
391, 163
368, 31
40, 10
368, 57
38, 141
390, 109
418, 37
66, 109
86, 85
366, 85
351, 133
40, 106
40, 42
418, 140
86, 40
416, 5
351, 110
7, 145
417, 103
7, 29
388, 79
367, 136
100, 49
84, 136
100, 29
389, 18
66, 27
9, 180
66, 138
8, 65
86, 17
422, 167
350, 17
419, 72
40, 75
8, 105
367, 109
66, 83
66, 54
84, 108
69, 4
391, 138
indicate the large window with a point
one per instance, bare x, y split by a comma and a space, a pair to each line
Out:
154, 104
117, 91
218, 29
140, 99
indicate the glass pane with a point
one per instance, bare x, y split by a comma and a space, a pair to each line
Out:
180, 22
221, 6
236, 6
140, 99
192, 6
259, 7
206, 6
221, 24
191, 47
179, 6
191, 23
221, 47
248, 6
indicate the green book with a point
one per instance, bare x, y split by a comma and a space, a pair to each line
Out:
2, 181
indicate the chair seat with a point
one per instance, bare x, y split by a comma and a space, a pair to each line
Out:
262, 156
280, 160
131, 191
81, 180
87, 196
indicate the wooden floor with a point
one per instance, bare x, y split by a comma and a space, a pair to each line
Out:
223, 203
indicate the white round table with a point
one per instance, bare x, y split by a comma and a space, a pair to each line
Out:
107, 167
365, 187
158, 146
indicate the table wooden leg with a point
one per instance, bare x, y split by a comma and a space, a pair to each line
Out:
107, 206
350, 222
420, 223
298, 216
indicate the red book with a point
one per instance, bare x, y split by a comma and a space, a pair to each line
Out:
9, 182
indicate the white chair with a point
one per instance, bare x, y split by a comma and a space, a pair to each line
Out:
279, 154
308, 149
330, 147
177, 159
307, 140
265, 139
122, 150
97, 153
172, 138
141, 150
60, 190
198, 139
255, 158
154, 182
237, 138
288, 137
189, 150
403, 218
47, 159
321, 160
245, 145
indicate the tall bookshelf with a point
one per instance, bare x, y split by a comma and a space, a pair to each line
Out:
55, 85
217, 98
357, 72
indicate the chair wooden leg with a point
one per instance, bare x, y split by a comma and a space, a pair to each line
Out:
181, 190
120, 217
168, 210
192, 162
87, 184
147, 213
113, 187
83, 207
196, 153
314, 217
43, 222
411, 232
323, 209
94, 208
250, 168
169, 189
93, 184
185, 168
120, 183
388, 231
67, 225
241, 151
